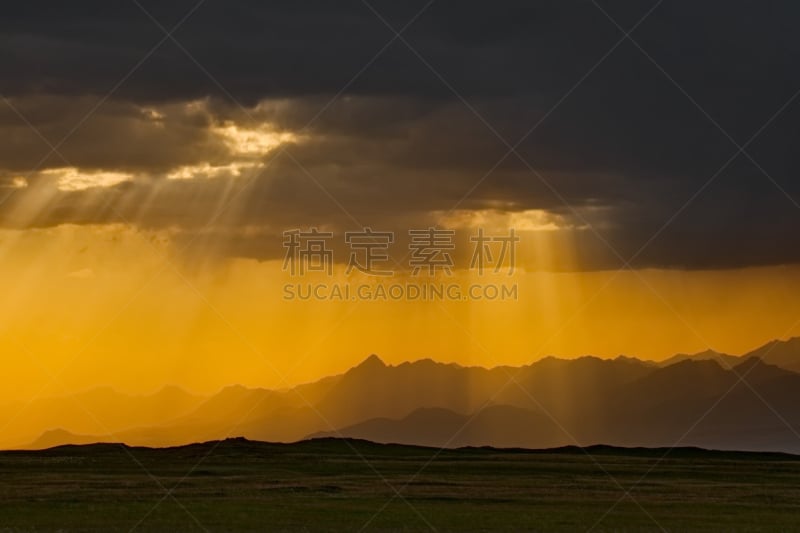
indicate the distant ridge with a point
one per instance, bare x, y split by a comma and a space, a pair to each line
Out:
350, 446
725, 360
499, 426
57, 437
709, 400
782, 353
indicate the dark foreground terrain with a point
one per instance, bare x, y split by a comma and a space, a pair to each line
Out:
332, 485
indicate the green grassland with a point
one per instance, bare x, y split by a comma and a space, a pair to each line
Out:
337, 485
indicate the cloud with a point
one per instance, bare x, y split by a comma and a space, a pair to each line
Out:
626, 163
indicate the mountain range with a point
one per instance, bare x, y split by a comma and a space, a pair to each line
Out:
710, 400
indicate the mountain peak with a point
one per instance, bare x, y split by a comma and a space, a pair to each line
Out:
373, 361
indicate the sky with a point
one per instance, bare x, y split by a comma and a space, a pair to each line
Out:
154, 155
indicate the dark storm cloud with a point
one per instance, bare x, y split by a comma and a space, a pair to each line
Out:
119, 135
625, 150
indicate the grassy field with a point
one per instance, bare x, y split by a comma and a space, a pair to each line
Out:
334, 485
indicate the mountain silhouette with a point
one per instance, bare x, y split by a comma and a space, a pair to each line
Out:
59, 437
98, 411
725, 360
710, 400
785, 354
500, 426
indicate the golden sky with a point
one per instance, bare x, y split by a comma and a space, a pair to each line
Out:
145, 188
86, 306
